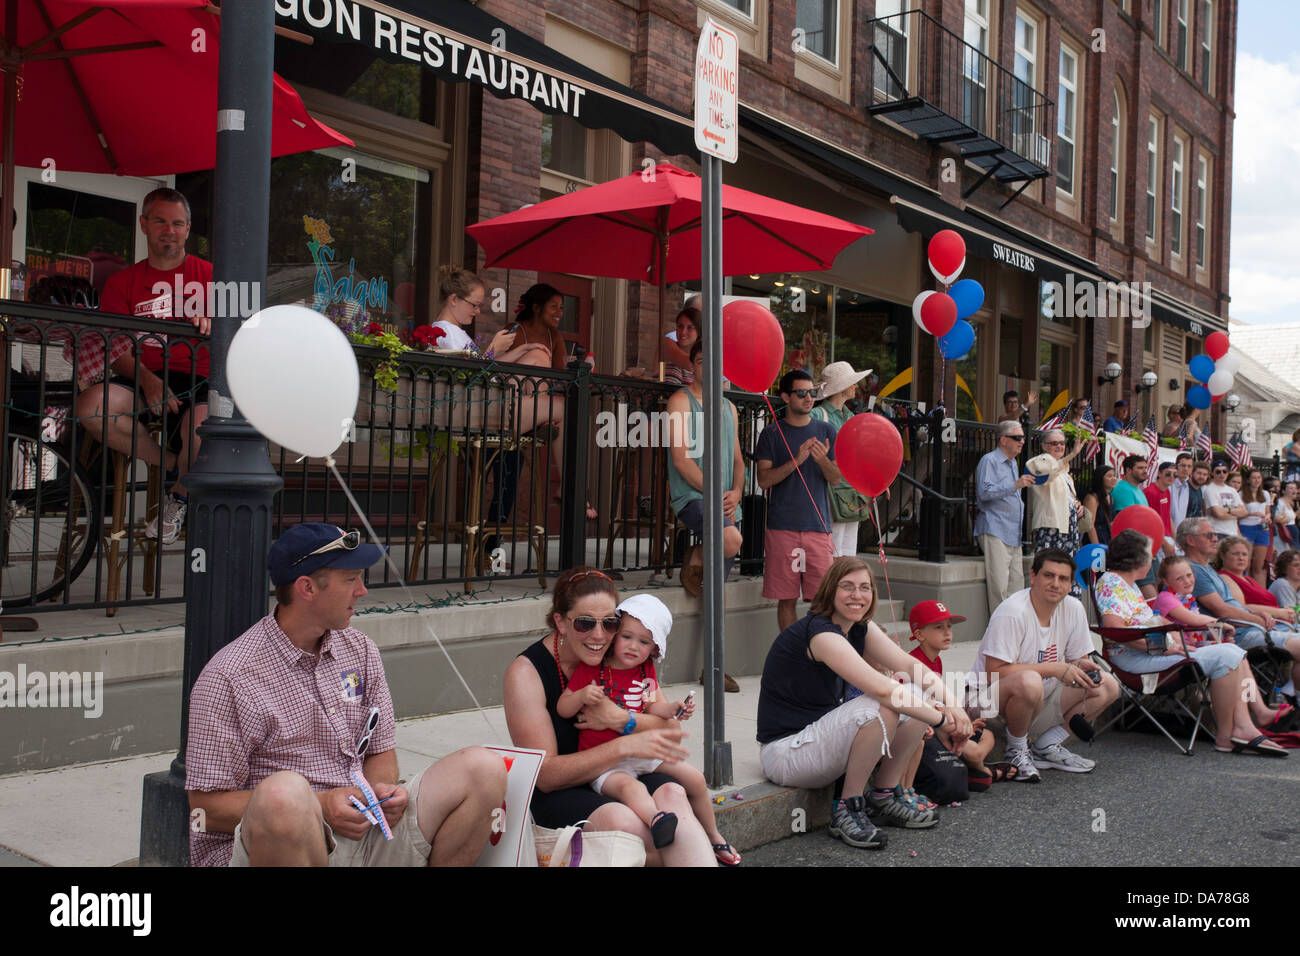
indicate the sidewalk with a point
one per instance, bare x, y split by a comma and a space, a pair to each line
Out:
89, 815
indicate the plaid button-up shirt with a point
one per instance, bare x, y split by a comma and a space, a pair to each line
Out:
262, 705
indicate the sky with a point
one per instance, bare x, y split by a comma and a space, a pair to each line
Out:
1264, 261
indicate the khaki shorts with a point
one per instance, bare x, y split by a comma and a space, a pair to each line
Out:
1050, 715
408, 847
819, 754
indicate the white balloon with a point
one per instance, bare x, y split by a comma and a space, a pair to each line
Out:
1230, 363
293, 374
948, 279
1219, 382
916, 308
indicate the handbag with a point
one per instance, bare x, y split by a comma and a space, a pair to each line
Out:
1085, 522
572, 846
942, 774
849, 504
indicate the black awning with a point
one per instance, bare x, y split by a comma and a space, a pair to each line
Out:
922, 211
1182, 316
462, 44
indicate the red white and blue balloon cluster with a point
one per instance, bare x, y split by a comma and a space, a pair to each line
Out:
944, 314
1216, 368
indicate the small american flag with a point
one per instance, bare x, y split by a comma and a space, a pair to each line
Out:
1047, 656
1239, 452
1054, 422
1088, 424
1184, 438
1203, 443
1152, 439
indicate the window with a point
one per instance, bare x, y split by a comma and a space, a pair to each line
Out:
1207, 45
743, 7
1026, 138
1117, 133
1153, 174
748, 18
1183, 34
1158, 22
891, 39
1202, 208
975, 68
1066, 119
819, 21
1176, 211
566, 147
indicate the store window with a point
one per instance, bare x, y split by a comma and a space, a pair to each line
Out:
78, 235
968, 381
876, 335
1055, 362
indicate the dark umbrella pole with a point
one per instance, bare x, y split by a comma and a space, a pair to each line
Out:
717, 751
232, 484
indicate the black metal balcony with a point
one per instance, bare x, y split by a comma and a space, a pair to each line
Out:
930, 81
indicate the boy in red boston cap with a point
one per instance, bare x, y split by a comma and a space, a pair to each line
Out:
931, 624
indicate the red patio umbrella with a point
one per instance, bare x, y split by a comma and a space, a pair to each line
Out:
647, 227
122, 86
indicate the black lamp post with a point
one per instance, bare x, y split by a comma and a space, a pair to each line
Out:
232, 483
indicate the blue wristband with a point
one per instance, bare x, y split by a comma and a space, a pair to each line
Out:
629, 726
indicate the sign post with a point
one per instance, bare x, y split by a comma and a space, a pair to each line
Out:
717, 136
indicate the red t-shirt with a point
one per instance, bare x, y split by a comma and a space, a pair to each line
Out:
935, 665
624, 687
142, 290
1159, 500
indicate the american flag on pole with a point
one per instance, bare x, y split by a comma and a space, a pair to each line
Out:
1088, 424
1184, 438
1151, 438
1239, 452
1203, 443
1054, 422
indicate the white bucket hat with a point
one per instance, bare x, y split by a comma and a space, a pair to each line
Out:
838, 376
654, 615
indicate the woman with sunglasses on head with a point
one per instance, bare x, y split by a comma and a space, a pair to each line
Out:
462, 294
582, 623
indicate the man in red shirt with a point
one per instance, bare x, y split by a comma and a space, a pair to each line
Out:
177, 380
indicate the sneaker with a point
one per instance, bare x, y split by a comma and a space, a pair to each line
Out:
1026, 772
849, 823
897, 810
1057, 757
173, 519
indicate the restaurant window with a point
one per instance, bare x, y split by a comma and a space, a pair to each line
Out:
566, 147
79, 235
975, 69
1207, 45
1067, 120
346, 235
1055, 359
356, 74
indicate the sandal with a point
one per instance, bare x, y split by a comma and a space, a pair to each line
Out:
1003, 772
721, 849
1282, 714
1255, 746
919, 799
663, 828
979, 782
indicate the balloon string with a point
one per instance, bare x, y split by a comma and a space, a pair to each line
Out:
884, 564
401, 580
797, 470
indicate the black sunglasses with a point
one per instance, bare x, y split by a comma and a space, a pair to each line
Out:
1015, 437
349, 542
802, 392
584, 624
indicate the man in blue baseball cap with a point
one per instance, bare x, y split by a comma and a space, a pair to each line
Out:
291, 718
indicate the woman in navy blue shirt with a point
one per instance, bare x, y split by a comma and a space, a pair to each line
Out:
811, 735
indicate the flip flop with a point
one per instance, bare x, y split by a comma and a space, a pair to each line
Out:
1003, 772
720, 848
663, 827
1282, 714
1252, 747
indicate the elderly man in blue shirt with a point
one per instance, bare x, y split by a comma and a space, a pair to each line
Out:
998, 484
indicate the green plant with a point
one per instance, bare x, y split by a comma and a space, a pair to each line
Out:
440, 441
385, 372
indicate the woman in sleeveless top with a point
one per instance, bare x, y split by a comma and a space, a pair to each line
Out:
1097, 501
584, 599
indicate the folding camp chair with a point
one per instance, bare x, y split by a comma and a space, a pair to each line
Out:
1143, 692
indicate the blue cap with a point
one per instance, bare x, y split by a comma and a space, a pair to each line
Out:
302, 539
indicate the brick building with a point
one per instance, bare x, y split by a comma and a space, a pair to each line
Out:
1068, 141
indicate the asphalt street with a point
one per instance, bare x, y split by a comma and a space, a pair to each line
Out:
1145, 805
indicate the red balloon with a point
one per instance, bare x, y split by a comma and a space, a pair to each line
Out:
1216, 345
869, 451
1143, 519
947, 253
1215, 398
939, 314
753, 346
